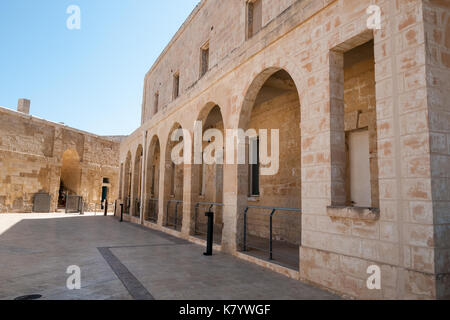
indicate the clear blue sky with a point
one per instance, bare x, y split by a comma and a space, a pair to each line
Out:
91, 79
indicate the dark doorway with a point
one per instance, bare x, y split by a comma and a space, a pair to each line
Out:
104, 196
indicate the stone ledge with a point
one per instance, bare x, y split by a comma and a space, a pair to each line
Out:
293, 274
357, 213
201, 242
253, 199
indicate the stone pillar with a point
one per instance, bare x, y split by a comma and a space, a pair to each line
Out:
164, 187
143, 178
55, 179
189, 198
235, 198
436, 211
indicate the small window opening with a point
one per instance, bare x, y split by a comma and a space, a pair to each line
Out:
176, 86
204, 60
254, 167
254, 17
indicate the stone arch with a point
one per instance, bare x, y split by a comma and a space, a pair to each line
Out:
173, 183
254, 86
70, 179
127, 184
259, 72
206, 110
272, 102
137, 181
152, 180
207, 179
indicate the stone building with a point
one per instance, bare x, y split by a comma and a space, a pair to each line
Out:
43, 164
363, 117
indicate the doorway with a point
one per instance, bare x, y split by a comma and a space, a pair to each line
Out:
70, 177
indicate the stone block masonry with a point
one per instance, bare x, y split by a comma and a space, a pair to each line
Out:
314, 65
38, 156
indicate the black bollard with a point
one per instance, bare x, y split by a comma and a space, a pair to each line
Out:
121, 212
106, 207
209, 244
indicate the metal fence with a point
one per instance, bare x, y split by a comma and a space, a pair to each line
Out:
74, 204
200, 220
279, 250
173, 217
137, 208
126, 205
152, 210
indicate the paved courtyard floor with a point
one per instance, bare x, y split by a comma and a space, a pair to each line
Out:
125, 261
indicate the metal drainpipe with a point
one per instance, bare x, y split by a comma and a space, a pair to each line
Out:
144, 161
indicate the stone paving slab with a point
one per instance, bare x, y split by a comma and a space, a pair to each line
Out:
35, 251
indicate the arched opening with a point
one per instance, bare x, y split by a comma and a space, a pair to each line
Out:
70, 181
209, 182
173, 180
272, 103
137, 182
152, 183
127, 185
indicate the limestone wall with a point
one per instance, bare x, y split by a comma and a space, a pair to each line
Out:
222, 23
437, 31
407, 237
31, 160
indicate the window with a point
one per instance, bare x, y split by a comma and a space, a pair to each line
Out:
176, 85
254, 167
106, 180
354, 100
204, 59
156, 103
254, 17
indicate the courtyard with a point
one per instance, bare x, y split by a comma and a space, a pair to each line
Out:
124, 261
309, 138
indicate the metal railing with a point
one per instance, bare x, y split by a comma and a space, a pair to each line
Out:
137, 208
175, 220
197, 206
274, 210
153, 210
126, 205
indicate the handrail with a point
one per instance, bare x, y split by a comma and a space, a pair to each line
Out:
274, 210
177, 202
198, 204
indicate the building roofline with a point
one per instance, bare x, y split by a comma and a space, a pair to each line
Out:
178, 34
30, 117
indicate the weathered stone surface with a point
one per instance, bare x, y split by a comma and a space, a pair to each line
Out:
32, 161
313, 70
393, 82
